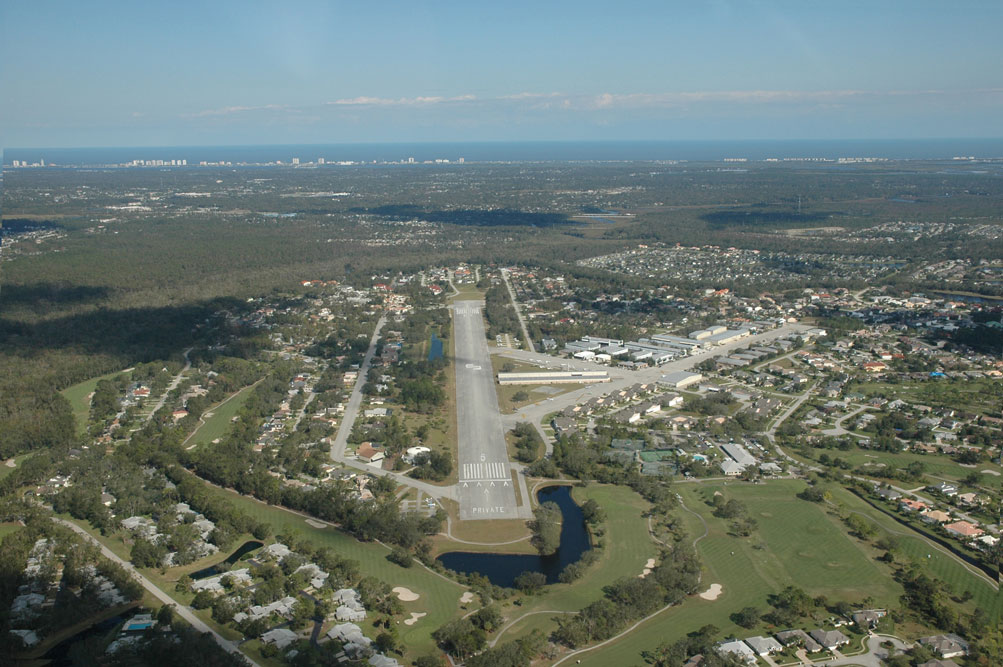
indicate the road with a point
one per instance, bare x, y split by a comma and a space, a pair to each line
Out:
485, 487
182, 611
518, 313
838, 428
348, 422
172, 386
772, 432
355, 401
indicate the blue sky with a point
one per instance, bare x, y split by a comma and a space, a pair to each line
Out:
225, 72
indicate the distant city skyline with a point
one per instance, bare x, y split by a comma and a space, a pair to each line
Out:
226, 73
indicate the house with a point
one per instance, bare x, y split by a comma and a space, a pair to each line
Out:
277, 551
875, 366
944, 488
868, 618
380, 660
739, 649
281, 637
830, 639
888, 494
731, 469
369, 454
935, 516
355, 643
969, 499
963, 529
764, 645
798, 637
671, 400
28, 637
947, 646
770, 469
563, 425
910, 505
413, 452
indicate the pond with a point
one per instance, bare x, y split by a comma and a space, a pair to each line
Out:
219, 568
502, 569
435, 348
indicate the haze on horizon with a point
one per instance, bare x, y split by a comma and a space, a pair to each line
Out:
122, 74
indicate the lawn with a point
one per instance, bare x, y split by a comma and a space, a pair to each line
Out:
936, 563
796, 543
803, 546
8, 528
79, 397
18, 460
626, 548
439, 596
935, 465
222, 413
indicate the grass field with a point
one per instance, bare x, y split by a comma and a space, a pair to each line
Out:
18, 460
8, 528
936, 465
222, 413
801, 545
78, 396
626, 547
978, 395
934, 561
796, 544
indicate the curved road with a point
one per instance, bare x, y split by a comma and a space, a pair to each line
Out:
183, 612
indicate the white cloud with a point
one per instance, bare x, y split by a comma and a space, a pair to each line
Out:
615, 101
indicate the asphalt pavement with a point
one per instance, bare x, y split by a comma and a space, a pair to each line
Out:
485, 487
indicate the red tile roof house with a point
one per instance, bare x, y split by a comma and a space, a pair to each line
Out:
963, 529
910, 505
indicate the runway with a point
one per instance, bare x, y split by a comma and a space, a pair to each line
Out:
485, 487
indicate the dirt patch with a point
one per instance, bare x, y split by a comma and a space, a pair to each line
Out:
405, 594
414, 617
712, 593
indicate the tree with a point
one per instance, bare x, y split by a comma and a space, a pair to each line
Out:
165, 615
386, 643
487, 618
530, 582
546, 527
748, 617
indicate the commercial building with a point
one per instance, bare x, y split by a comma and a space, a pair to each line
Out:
554, 377
680, 379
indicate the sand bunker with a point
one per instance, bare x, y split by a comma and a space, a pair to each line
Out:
405, 594
316, 524
466, 597
712, 592
414, 618
647, 568
990, 472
